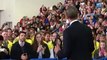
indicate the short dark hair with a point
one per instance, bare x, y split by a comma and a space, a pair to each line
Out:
22, 32
47, 32
1, 38
32, 28
72, 12
9, 29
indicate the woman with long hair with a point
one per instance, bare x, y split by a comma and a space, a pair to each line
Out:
41, 49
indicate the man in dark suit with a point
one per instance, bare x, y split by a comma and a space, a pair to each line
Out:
21, 48
77, 39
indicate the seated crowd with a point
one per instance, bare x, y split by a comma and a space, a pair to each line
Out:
38, 36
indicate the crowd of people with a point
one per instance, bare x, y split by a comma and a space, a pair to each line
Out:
36, 37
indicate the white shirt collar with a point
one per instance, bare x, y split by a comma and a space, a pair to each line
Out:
73, 21
21, 43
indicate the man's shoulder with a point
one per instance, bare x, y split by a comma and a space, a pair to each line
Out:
66, 29
15, 44
88, 28
27, 44
85, 26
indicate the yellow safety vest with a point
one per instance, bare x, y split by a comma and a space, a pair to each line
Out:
30, 41
9, 45
50, 45
96, 46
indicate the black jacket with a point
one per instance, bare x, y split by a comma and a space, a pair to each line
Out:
46, 52
4, 55
17, 51
77, 42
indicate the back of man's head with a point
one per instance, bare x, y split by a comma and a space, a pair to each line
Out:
72, 12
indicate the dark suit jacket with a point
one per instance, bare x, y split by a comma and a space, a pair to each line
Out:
77, 42
17, 50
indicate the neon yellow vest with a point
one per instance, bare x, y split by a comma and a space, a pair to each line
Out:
9, 45
50, 45
96, 46
30, 41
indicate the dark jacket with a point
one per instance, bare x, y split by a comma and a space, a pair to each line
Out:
46, 51
77, 42
4, 55
17, 51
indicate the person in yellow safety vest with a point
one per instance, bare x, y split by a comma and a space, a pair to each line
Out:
96, 46
49, 44
48, 41
100, 37
32, 33
29, 38
10, 38
6, 43
9, 45
4, 52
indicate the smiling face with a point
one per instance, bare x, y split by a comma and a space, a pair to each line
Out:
54, 35
102, 45
5, 35
47, 37
38, 37
9, 32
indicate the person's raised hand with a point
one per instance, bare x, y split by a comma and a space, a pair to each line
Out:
56, 49
39, 48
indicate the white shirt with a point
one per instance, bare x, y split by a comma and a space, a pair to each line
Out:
67, 21
51, 53
73, 21
40, 55
21, 43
